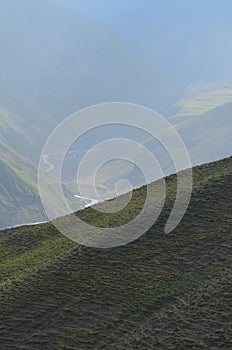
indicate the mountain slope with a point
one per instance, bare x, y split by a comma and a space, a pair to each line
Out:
19, 197
203, 121
200, 100
19, 194
161, 291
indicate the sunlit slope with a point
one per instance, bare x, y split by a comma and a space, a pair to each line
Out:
19, 198
161, 291
208, 136
199, 103
203, 120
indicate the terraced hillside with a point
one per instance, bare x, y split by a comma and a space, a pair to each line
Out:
160, 292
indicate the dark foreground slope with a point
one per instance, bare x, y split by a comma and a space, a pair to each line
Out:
160, 292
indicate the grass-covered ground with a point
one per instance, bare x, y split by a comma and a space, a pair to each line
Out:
160, 292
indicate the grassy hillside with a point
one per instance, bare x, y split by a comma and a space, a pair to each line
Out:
19, 195
159, 292
19, 198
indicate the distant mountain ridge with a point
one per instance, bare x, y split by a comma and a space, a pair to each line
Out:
202, 119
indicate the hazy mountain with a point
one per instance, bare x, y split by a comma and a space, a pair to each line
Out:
157, 292
59, 56
202, 118
54, 61
186, 41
